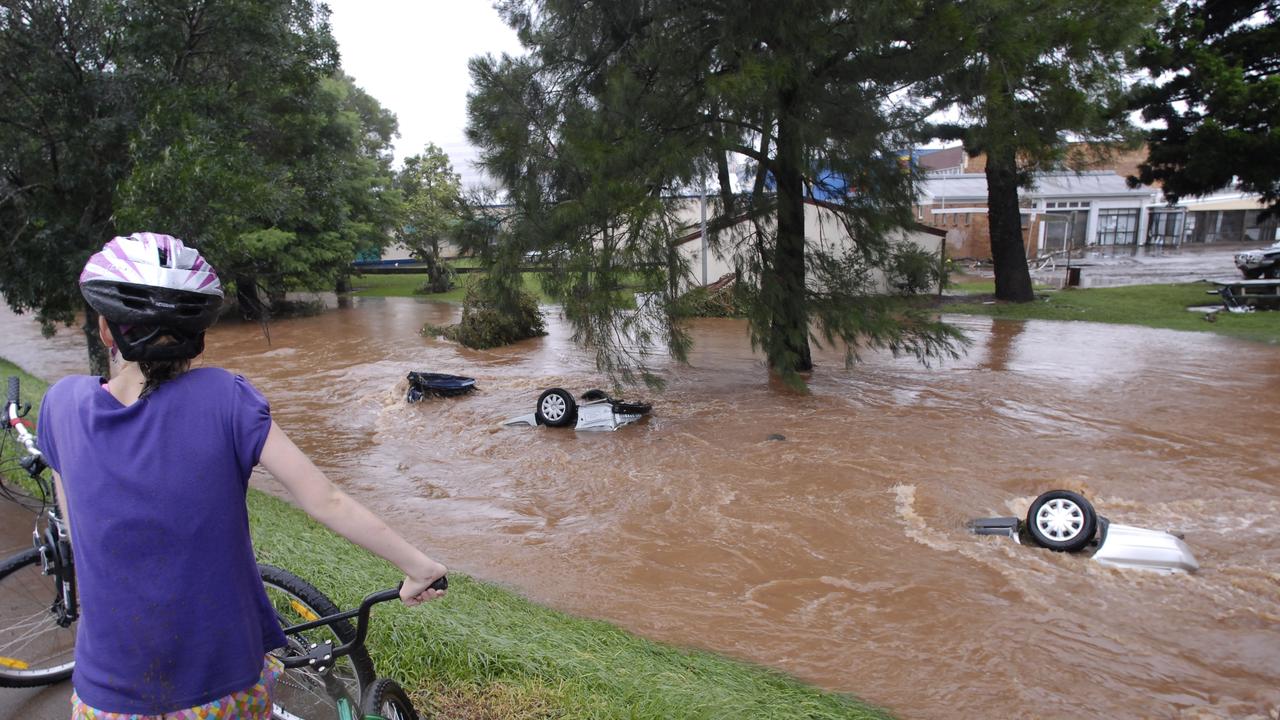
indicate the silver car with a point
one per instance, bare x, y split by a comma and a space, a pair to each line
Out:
1260, 263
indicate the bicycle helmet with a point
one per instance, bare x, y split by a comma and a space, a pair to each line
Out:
147, 286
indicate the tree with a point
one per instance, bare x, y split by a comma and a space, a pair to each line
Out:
65, 122
1035, 74
432, 195
621, 102
224, 123
1215, 95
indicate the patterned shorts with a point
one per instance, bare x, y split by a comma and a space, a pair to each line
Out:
251, 704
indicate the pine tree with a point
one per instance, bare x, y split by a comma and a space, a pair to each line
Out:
621, 102
1035, 74
1216, 97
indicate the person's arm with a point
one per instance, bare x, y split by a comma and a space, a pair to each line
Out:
336, 510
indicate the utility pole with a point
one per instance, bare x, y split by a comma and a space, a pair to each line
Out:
704, 229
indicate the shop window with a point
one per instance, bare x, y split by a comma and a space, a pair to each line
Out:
1117, 227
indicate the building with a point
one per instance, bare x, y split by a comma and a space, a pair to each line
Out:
1093, 207
1062, 209
823, 229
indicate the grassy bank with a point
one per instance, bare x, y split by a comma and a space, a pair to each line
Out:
404, 285
1157, 306
485, 652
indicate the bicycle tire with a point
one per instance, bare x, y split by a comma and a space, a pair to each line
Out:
300, 693
34, 649
387, 700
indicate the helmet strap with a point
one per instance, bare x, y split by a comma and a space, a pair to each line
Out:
138, 349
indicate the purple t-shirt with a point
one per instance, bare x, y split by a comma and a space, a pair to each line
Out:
173, 613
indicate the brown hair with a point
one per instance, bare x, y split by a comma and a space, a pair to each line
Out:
158, 372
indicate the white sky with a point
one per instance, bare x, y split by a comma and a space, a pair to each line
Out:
412, 56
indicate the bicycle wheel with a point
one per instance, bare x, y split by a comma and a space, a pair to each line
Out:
303, 693
386, 699
37, 644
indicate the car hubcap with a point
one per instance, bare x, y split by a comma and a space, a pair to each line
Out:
1060, 519
552, 407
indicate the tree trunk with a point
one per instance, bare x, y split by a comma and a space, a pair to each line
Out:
247, 299
98, 362
783, 286
1008, 254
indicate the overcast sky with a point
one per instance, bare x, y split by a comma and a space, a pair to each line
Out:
412, 56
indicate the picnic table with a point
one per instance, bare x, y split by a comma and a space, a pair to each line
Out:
1242, 295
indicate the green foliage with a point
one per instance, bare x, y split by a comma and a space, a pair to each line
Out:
619, 103
1215, 99
488, 321
913, 270
432, 211
227, 124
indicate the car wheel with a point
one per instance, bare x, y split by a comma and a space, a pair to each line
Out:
631, 408
1062, 520
1273, 272
556, 408
594, 394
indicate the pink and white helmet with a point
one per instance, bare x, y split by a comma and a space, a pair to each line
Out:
156, 282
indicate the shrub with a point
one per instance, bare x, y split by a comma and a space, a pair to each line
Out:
913, 270
715, 300
485, 324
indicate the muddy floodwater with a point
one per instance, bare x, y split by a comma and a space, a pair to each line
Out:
838, 554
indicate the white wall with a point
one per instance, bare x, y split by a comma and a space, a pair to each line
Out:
823, 230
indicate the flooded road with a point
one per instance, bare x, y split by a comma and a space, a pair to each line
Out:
839, 554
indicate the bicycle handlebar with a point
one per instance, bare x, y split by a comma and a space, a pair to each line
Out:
321, 656
12, 417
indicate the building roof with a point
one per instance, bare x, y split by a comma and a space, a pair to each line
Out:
941, 158
1048, 186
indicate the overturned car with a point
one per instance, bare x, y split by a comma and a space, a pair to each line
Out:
1066, 522
596, 411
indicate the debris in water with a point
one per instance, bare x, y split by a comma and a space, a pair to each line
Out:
776, 436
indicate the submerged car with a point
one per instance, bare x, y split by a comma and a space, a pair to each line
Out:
1066, 522
1260, 263
596, 411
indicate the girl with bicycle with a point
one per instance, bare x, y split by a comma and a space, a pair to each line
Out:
152, 467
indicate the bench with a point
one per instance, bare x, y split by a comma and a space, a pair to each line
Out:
1239, 295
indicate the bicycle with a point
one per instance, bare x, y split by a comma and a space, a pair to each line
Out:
37, 637
379, 699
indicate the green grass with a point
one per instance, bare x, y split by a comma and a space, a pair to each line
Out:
490, 647
32, 390
404, 285
486, 652
1157, 306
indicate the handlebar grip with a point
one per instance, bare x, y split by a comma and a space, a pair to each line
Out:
13, 389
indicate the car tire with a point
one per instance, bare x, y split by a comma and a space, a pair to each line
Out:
631, 408
556, 408
1251, 274
594, 394
1062, 521
1272, 272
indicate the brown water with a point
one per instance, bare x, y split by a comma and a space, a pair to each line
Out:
839, 554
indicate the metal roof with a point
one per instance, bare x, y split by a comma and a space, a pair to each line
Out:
1049, 186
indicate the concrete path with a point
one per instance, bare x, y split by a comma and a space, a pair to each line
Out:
47, 703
